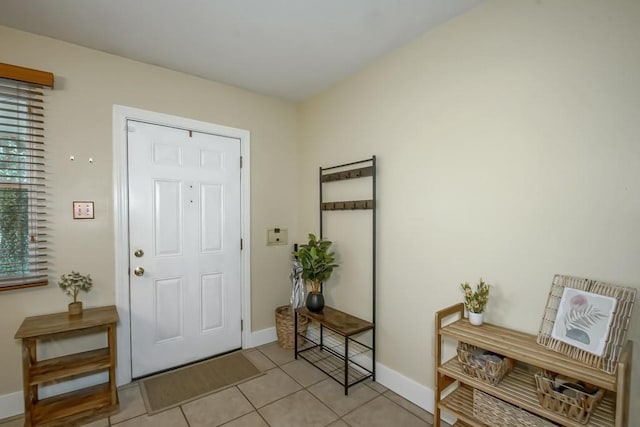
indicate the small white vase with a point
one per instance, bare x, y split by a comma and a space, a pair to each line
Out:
476, 318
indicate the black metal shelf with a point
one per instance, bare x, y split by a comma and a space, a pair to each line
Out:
325, 349
331, 346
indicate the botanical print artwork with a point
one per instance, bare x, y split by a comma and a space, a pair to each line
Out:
584, 319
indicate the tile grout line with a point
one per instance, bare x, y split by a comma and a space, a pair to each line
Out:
306, 388
254, 408
405, 409
184, 416
303, 388
318, 399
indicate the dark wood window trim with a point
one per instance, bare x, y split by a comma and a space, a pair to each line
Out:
26, 75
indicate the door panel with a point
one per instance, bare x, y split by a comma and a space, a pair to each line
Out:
212, 297
184, 212
168, 308
212, 211
167, 218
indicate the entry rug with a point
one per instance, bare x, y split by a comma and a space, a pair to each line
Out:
173, 388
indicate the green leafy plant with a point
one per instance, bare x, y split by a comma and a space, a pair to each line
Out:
316, 260
74, 282
476, 301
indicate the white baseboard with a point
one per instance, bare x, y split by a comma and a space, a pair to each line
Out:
11, 404
411, 390
264, 336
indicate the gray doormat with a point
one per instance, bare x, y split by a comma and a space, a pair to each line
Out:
173, 388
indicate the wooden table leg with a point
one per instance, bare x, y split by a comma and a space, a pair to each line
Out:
111, 336
30, 392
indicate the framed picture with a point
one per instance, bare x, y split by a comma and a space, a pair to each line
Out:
584, 320
587, 320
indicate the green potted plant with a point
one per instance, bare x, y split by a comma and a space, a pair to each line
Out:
476, 301
72, 283
317, 266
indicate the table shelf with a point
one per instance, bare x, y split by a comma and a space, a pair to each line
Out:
69, 366
64, 409
77, 406
518, 388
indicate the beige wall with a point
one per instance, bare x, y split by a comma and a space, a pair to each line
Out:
79, 122
508, 148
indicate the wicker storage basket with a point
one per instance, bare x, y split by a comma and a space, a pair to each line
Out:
490, 372
496, 413
285, 326
578, 408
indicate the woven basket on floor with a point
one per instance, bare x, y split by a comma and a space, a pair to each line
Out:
494, 412
578, 408
285, 326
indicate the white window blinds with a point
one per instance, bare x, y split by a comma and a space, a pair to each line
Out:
23, 237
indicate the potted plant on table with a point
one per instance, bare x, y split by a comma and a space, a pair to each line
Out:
72, 283
317, 266
476, 301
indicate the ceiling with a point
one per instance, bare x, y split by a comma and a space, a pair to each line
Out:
291, 49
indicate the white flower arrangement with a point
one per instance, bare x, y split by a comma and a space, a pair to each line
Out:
476, 302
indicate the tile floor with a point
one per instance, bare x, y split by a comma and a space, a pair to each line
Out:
291, 393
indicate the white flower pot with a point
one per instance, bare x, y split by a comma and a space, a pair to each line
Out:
476, 318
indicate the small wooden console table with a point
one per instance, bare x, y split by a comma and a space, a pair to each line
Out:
87, 403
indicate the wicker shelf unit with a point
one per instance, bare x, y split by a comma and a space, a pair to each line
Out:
519, 387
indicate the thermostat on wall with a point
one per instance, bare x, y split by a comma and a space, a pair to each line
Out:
277, 236
82, 210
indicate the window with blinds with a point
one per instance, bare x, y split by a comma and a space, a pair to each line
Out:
23, 242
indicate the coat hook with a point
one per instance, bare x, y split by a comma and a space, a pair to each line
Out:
72, 158
90, 159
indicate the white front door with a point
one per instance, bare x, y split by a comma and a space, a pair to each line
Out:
184, 241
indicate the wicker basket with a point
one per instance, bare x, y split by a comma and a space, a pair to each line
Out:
496, 413
285, 326
490, 372
578, 408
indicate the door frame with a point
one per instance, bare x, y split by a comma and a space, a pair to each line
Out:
121, 114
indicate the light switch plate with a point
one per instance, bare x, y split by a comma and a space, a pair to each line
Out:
277, 236
83, 210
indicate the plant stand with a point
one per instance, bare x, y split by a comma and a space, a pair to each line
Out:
81, 405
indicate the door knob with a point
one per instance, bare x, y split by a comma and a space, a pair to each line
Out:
139, 253
139, 271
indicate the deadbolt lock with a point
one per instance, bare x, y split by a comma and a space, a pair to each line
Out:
139, 253
139, 271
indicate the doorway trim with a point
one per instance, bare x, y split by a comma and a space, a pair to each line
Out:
121, 114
